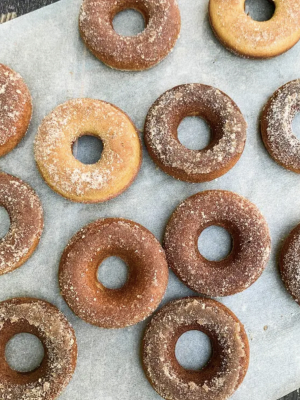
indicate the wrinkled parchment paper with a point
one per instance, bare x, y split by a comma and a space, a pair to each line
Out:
46, 49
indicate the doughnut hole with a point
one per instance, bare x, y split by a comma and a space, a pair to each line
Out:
113, 273
129, 22
87, 149
260, 10
296, 125
193, 350
194, 133
215, 243
4, 222
24, 352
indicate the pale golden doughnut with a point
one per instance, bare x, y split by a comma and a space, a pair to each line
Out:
120, 160
255, 39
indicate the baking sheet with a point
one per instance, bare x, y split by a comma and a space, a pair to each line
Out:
46, 49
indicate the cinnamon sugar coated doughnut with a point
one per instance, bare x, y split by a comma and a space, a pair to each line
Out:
120, 160
147, 278
42, 319
249, 232
223, 373
242, 35
289, 263
228, 133
276, 126
15, 109
135, 53
26, 222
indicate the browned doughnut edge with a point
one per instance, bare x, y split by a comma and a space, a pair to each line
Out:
22, 124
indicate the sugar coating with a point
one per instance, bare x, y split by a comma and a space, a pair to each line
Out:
227, 124
138, 52
119, 162
251, 242
249, 38
277, 131
26, 222
147, 279
59, 341
230, 346
14, 101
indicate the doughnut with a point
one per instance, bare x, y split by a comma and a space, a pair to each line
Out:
131, 53
146, 284
289, 263
223, 373
42, 319
250, 235
240, 34
228, 133
276, 126
120, 160
26, 222
15, 109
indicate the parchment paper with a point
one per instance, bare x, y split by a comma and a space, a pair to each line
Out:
46, 49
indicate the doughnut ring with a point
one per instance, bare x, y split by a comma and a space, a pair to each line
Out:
239, 33
26, 222
276, 126
223, 373
146, 283
15, 110
228, 131
132, 53
120, 160
250, 250
289, 263
42, 319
